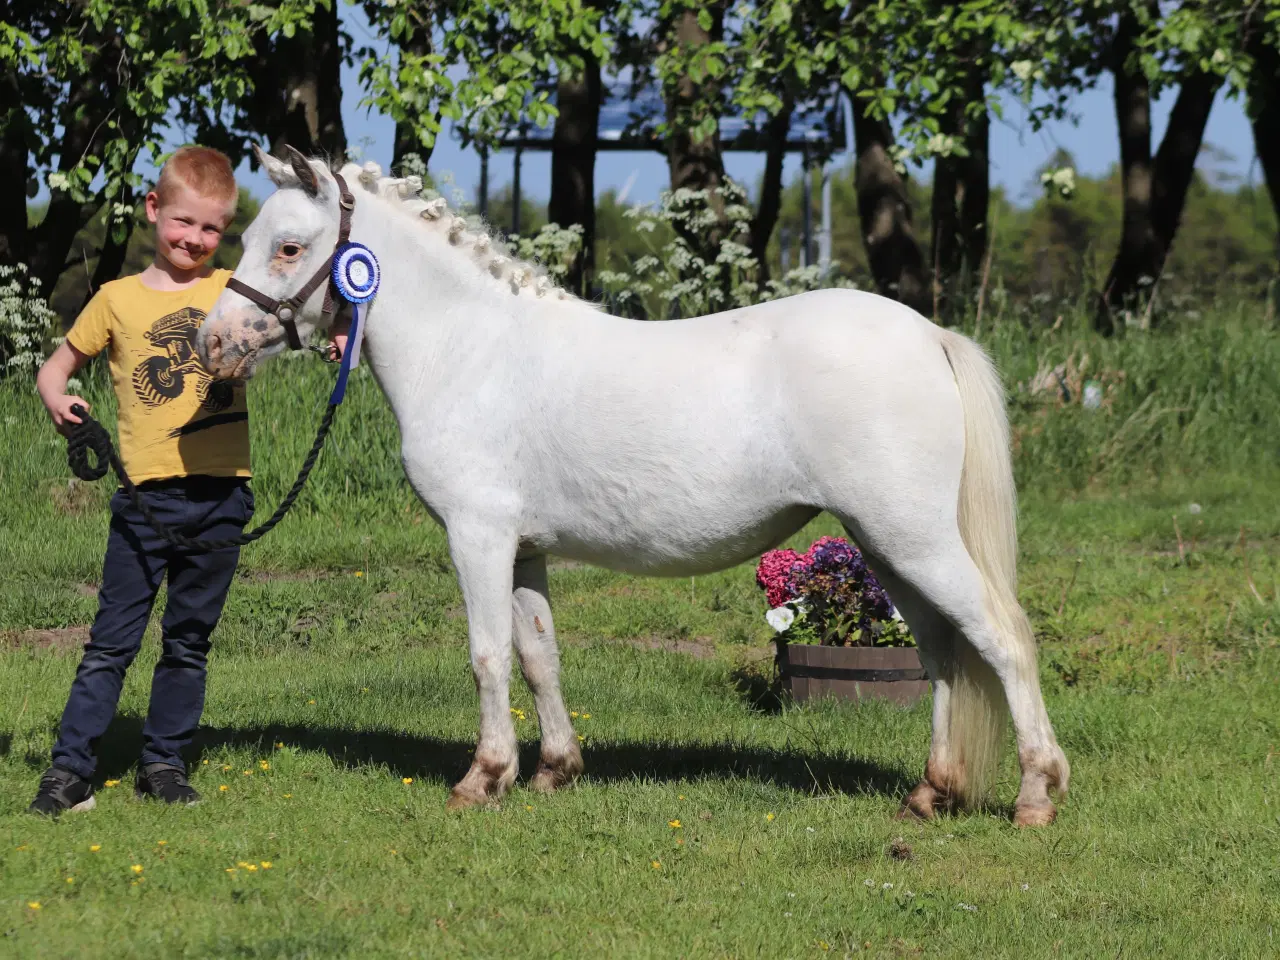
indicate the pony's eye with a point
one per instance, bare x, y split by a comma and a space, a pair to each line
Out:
290, 251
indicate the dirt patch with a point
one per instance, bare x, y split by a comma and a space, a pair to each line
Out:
74, 498
87, 589
56, 638
286, 576
700, 648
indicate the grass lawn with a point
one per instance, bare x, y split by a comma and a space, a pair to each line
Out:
709, 823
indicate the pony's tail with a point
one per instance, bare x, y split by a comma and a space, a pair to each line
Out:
987, 516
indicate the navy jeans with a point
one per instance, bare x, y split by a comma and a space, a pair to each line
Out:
136, 562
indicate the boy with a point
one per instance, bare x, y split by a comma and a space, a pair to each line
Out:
184, 440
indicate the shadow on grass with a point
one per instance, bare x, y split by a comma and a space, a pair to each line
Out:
426, 757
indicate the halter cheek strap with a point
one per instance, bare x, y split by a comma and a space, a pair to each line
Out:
285, 311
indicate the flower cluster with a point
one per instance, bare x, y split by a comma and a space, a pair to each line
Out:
25, 320
682, 276
828, 595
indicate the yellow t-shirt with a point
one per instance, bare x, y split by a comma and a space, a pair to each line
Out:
174, 419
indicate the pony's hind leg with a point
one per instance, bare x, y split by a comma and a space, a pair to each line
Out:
993, 660
978, 647
535, 636
935, 640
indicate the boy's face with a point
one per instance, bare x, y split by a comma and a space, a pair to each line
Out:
189, 226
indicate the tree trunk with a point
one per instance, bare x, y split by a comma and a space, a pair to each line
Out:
696, 164
14, 174
573, 163
298, 95
885, 213
111, 256
49, 242
766, 218
1155, 190
961, 198
1264, 106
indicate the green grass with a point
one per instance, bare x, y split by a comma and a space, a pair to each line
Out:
1159, 665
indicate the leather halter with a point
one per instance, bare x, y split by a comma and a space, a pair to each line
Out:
285, 310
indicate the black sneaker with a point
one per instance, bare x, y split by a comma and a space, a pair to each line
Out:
60, 790
165, 783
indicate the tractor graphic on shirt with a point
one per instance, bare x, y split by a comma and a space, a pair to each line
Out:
159, 379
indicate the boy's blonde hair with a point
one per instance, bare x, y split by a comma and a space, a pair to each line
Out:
203, 169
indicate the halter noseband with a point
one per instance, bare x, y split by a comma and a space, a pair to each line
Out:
286, 309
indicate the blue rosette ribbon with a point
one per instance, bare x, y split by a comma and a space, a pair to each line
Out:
356, 276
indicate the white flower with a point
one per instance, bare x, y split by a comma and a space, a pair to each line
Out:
780, 618
1022, 69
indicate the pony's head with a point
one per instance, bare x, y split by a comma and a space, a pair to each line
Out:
291, 237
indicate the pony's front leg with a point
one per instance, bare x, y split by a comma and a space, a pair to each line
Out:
483, 557
535, 635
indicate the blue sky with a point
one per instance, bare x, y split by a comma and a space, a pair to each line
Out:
1017, 152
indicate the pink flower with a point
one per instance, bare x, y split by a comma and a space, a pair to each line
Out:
774, 575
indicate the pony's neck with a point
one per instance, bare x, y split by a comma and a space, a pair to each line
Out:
413, 319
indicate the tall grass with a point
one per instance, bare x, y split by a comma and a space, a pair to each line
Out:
1201, 394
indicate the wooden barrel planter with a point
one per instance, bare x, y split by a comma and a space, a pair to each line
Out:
810, 672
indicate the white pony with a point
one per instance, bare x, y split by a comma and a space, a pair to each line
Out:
532, 423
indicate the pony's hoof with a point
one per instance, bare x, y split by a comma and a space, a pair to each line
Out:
1040, 815
921, 803
552, 775
548, 780
460, 799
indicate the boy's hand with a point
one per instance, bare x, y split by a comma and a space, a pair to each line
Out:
60, 411
338, 337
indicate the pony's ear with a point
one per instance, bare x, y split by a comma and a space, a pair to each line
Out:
277, 170
305, 173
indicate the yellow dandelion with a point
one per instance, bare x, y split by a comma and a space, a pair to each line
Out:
280, 745
251, 867
680, 797
574, 714
204, 763
406, 780
528, 806
263, 765
226, 767
222, 788
231, 869
136, 868
161, 843
288, 796
266, 864
111, 783
673, 824
134, 883
359, 573
657, 865
586, 716
71, 879
23, 847
581, 738
33, 904
95, 847
769, 817
311, 702
242, 863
